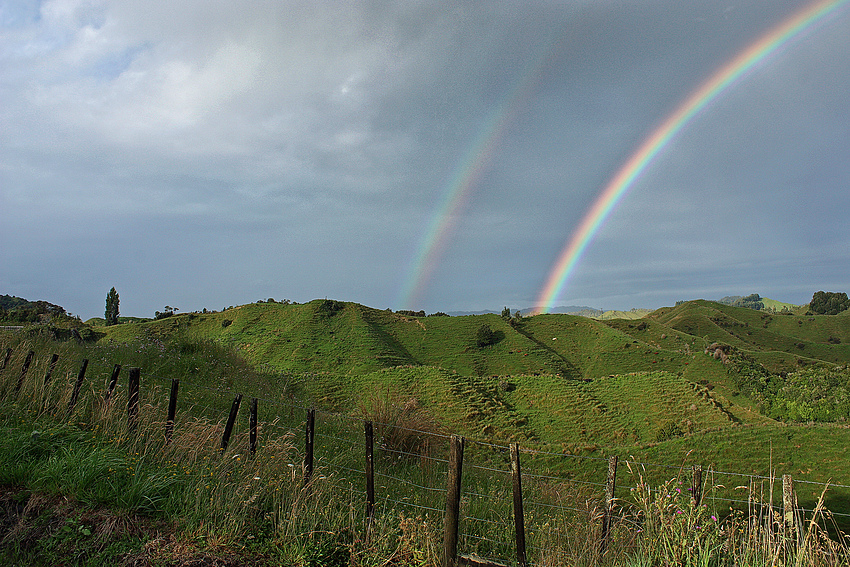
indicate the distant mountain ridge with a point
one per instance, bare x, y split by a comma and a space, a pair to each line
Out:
568, 309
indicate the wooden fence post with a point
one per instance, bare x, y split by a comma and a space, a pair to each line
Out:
24, 370
696, 485
133, 399
172, 410
790, 517
252, 428
113, 380
450, 524
519, 516
50, 368
6, 358
370, 476
610, 485
75, 393
309, 435
231, 420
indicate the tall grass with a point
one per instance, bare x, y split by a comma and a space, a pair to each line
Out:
261, 503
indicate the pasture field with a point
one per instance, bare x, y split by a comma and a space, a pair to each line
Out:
746, 395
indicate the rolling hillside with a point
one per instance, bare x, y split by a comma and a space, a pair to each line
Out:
706, 382
542, 377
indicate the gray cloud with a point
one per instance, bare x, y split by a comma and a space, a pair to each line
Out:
212, 153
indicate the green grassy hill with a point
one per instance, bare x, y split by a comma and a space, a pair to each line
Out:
351, 339
646, 387
564, 363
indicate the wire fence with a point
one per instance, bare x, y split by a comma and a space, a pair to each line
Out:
412, 469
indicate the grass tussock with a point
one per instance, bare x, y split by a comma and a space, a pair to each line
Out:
401, 423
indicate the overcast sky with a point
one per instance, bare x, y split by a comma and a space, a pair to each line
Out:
202, 154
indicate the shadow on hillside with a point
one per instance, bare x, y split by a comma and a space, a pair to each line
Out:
560, 365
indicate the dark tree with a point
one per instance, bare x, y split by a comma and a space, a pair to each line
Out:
111, 315
485, 336
829, 303
167, 311
751, 301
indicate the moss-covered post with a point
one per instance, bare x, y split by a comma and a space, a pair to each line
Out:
791, 522
696, 485
610, 485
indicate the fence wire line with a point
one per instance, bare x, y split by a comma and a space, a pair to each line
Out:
553, 454
487, 539
412, 505
561, 479
293, 379
535, 504
417, 455
410, 483
490, 469
485, 521
498, 498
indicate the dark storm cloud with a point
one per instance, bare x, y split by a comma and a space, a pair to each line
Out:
213, 153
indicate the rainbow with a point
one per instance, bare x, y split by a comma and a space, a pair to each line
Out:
464, 179
661, 137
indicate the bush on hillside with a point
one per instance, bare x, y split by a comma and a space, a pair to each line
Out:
829, 303
485, 336
751, 302
329, 307
409, 313
668, 430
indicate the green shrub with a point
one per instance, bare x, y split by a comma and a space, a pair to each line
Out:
485, 336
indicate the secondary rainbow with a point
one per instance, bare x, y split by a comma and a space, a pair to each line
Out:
464, 179
661, 136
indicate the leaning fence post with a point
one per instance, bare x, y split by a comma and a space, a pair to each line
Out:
133, 399
6, 358
113, 380
519, 516
610, 485
172, 410
231, 419
77, 385
309, 434
252, 428
24, 370
50, 368
450, 524
696, 485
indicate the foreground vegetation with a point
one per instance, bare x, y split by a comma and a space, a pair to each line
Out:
84, 489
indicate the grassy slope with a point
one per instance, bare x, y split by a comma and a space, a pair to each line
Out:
556, 379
